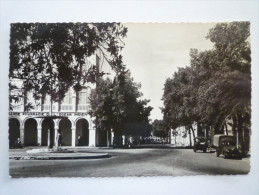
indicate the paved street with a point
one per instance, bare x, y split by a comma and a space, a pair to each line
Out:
132, 162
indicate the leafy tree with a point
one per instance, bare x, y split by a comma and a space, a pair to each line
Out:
180, 100
116, 104
159, 129
51, 58
216, 87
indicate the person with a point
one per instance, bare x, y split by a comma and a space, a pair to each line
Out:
79, 140
130, 143
18, 143
59, 139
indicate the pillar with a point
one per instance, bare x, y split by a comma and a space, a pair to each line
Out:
73, 142
123, 140
39, 130
22, 134
48, 137
55, 136
112, 136
92, 137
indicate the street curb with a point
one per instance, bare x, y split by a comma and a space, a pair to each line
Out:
105, 155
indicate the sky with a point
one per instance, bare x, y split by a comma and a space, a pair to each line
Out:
154, 51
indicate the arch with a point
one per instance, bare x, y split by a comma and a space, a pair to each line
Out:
82, 130
65, 126
14, 131
88, 120
18, 118
47, 124
30, 132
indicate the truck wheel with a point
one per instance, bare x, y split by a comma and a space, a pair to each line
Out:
204, 150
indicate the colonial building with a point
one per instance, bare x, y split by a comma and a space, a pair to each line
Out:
35, 129
180, 137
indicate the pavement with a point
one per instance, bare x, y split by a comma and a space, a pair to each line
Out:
43, 153
145, 161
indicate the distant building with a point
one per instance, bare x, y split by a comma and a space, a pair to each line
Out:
181, 137
33, 130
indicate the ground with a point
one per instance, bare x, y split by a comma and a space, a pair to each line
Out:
145, 161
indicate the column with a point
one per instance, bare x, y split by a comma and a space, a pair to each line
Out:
55, 135
39, 130
48, 138
92, 137
123, 140
56, 123
22, 134
73, 136
112, 137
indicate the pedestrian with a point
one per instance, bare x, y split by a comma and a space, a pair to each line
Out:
79, 140
59, 139
18, 143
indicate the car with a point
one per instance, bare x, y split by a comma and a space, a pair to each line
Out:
226, 145
200, 143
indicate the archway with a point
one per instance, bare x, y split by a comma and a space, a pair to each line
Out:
66, 132
30, 132
14, 131
47, 124
82, 130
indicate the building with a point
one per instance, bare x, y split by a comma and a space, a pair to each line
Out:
34, 129
180, 137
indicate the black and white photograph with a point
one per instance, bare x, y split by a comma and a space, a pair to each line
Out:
129, 99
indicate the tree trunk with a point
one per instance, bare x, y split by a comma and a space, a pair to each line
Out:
226, 126
240, 131
193, 132
234, 130
219, 124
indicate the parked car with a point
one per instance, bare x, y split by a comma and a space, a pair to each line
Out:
226, 145
200, 143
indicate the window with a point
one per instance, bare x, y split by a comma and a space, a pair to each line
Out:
83, 97
34, 103
83, 100
67, 102
68, 98
17, 107
46, 103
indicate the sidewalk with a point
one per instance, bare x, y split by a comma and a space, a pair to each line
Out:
43, 153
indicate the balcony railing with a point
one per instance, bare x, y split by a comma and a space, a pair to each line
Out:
66, 107
17, 107
83, 107
47, 107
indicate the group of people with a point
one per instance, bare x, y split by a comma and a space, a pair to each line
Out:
59, 139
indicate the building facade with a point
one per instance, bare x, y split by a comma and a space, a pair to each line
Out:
34, 128
180, 137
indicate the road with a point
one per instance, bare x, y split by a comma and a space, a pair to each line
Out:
132, 162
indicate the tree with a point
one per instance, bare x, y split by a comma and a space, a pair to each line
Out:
51, 58
216, 87
180, 100
116, 105
159, 129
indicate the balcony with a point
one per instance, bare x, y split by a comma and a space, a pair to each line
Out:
46, 107
17, 108
66, 107
82, 107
